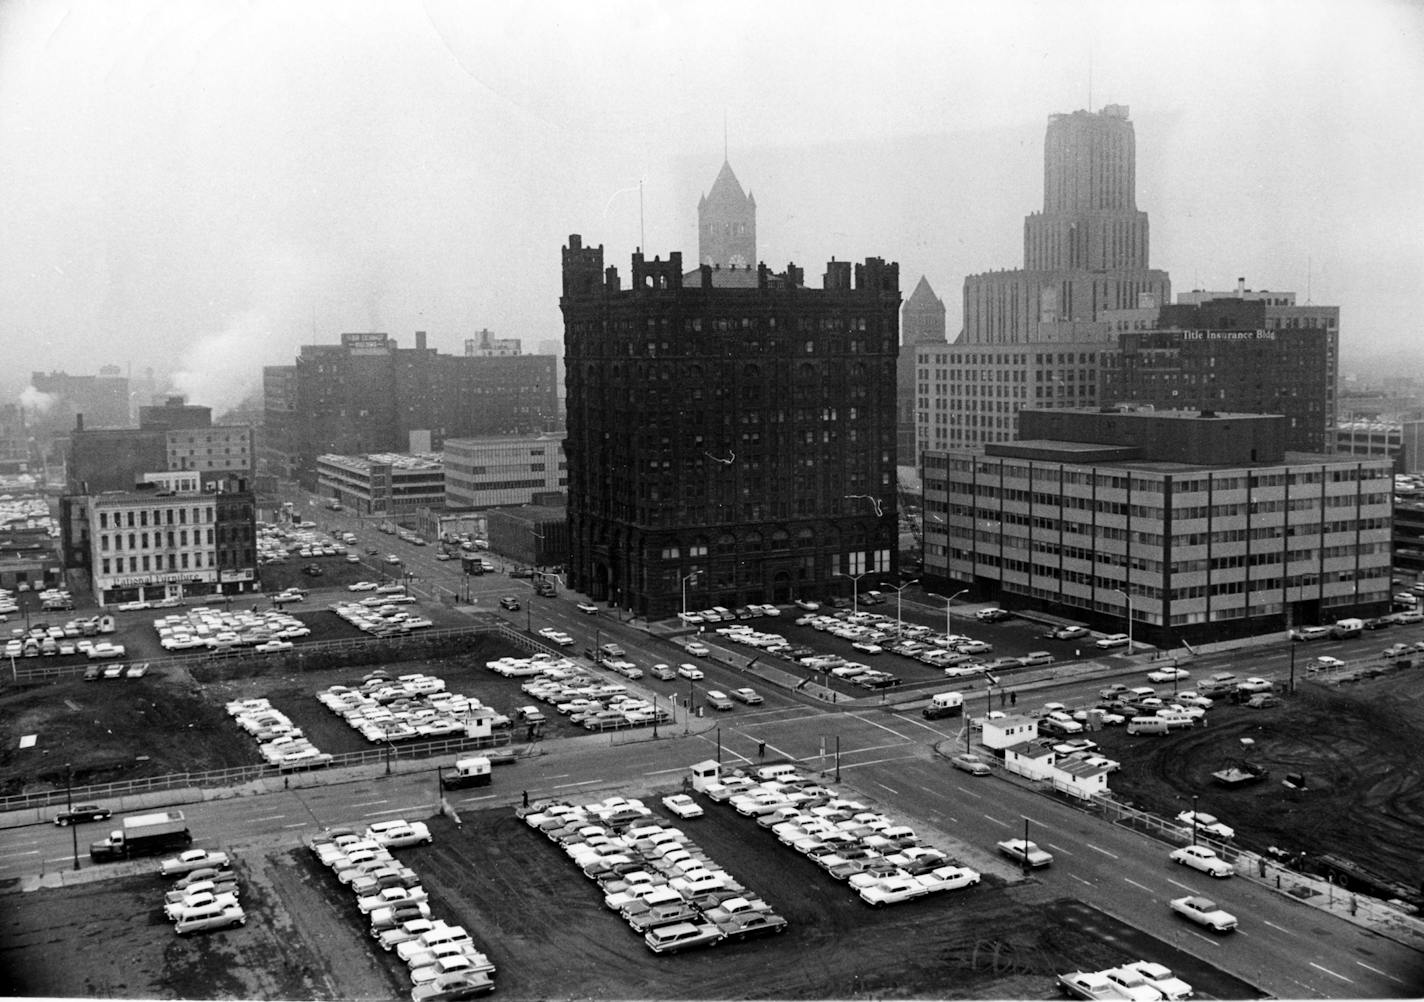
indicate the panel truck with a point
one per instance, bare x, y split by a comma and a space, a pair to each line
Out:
467, 772
144, 835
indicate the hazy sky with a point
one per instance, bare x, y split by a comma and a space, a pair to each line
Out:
204, 185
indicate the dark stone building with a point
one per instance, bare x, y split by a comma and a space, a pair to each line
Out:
1233, 355
732, 445
368, 395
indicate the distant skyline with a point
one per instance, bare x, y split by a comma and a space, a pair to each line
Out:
203, 187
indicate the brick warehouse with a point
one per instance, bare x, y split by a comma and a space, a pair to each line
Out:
730, 440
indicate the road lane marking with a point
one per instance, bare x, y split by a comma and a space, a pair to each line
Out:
874, 723
1272, 925
471, 800
270, 817
1205, 939
893, 791
1186, 888
27, 852
298, 824
878, 761
370, 803
1332, 973
1109, 855
60, 859
586, 782
562, 775
1087, 883
392, 810
1379, 972
1035, 821
1059, 848
969, 792
1136, 884
659, 772
997, 821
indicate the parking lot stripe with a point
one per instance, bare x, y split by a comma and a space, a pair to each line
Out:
1379, 972
1332, 973
1136, 884
1103, 851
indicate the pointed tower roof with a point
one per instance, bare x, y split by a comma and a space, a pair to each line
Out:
923, 296
726, 188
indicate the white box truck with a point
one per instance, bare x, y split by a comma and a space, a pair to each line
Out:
466, 772
944, 704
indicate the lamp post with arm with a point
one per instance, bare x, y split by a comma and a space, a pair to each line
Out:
855, 587
948, 607
899, 625
1127, 595
686, 578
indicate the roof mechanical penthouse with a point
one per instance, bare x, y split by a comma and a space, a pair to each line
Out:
729, 429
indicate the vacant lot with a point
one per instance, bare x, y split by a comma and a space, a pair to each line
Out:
1357, 747
545, 928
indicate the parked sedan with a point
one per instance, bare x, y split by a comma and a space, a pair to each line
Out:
948, 878
1203, 858
890, 890
749, 696
1168, 674
1112, 640
1161, 978
1089, 985
689, 671
1207, 823
682, 805
1204, 911
698, 650
191, 860
85, 812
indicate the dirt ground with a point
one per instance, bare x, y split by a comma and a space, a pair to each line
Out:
544, 926
168, 722
1356, 745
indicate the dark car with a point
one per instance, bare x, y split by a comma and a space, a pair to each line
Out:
510, 603
521, 572
313, 570
1378, 623
85, 812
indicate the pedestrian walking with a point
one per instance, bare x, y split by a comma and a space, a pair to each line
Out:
526, 798
1013, 699
1003, 698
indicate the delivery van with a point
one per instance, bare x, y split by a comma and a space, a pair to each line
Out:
1346, 628
1147, 725
944, 704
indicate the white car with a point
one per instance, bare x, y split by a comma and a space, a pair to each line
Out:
1203, 858
391, 897
272, 646
689, 671
1167, 674
193, 859
1025, 852
1254, 684
867, 648
948, 878
682, 805
398, 834
1161, 978
363, 586
588, 608
698, 650
1113, 640
1207, 823
891, 890
1089, 985
1204, 911
1133, 985
745, 695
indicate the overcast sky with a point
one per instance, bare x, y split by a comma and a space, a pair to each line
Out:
203, 185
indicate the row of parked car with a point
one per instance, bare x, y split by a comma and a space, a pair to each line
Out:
412, 707
1138, 981
203, 628
382, 615
442, 959
588, 699
204, 897
653, 875
279, 741
883, 861
719, 614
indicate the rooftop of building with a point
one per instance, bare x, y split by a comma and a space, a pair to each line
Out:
1102, 456
493, 440
411, 462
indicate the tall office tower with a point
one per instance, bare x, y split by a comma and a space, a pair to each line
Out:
728, 445
921, 322
1085, 252
726, 224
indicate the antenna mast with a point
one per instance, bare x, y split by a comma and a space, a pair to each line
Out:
642, 240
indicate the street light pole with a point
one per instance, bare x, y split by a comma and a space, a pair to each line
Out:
69, 806
899, 625
1194, 819
948, 608
1127, 595
686, 578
